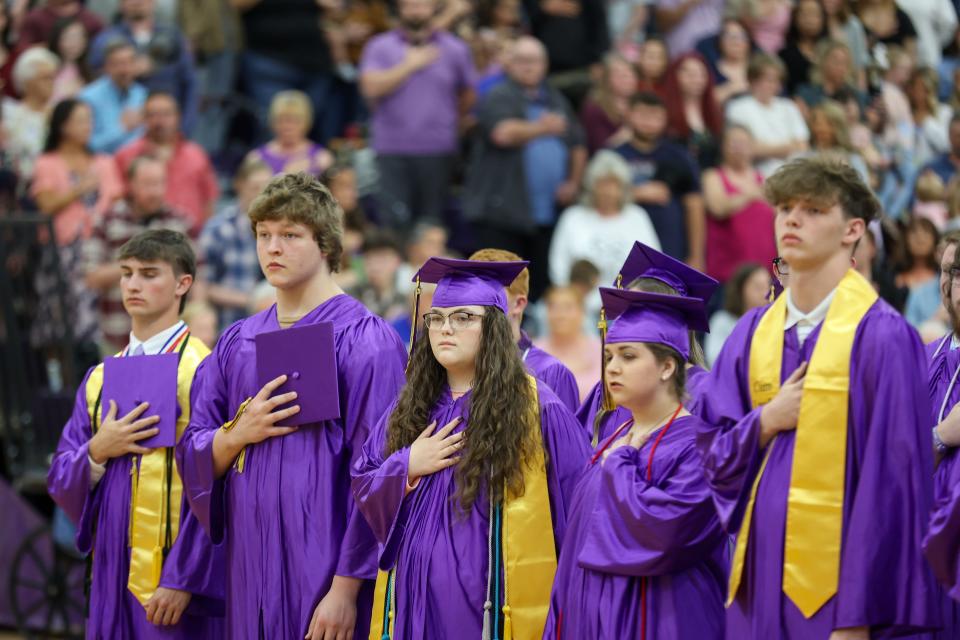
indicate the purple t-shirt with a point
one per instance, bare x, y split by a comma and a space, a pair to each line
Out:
420, 117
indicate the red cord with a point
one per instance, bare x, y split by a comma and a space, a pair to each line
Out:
559, 623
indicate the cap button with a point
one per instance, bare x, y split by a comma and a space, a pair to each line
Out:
295, 375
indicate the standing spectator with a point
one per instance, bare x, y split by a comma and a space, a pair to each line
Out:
685, 22
574, 33
729, 67
665, 181
286, 49
39, 23
604, 226
192, 186
832, 77
290, 150
163, 58
529, 157
143, 208
228, 248
25, 122
69, 42
747, 289
426, 240
379, 293
768, 21
808, 27
776, 124
604, 111
419, 83
74, 187
693, 117
931, 117
566, 339
116, 99
886, 24
844, 26
935, 22
739, 220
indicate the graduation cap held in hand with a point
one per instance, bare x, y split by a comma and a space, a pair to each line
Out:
134, 380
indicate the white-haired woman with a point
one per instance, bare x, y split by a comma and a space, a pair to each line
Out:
604, 226
25, 121
290, 150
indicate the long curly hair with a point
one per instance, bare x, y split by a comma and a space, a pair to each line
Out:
497, 440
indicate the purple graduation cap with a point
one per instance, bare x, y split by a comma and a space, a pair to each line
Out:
137, 379
470, 282
306, 355
638, 316
650, 263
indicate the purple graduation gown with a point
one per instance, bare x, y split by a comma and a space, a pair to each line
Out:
551, 372
284, 518
884, 581
622, 527
102, 517
587, 413
942, 545
440, 554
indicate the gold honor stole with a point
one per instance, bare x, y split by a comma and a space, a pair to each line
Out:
811, 561
529, 554
151, 503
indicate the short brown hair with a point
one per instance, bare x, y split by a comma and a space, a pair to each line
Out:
302, 199
162, 245
823, 181
760, 62
521, 284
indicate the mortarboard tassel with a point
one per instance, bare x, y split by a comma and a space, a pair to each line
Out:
507, 619
488, 604
413, 323
606, 403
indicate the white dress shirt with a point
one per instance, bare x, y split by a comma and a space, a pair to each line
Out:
806, 322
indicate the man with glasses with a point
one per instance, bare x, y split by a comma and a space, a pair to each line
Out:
821, 460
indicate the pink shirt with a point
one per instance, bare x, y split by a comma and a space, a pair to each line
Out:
584, 360
191, 181
51, 174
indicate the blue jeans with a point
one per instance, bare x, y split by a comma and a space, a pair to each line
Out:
263, 77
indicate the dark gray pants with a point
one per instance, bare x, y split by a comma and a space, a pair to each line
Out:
412, 188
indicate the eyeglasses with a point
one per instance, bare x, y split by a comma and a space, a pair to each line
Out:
780, 267
459, 320
954, 275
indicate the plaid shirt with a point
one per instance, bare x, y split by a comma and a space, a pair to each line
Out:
111, 232
229, 253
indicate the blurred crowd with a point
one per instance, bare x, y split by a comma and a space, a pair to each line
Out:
560, 130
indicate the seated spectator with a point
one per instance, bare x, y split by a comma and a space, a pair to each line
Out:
382, 258
604, 226
567, 340
604, 111
844, 26
918, 270
666, 181
341, 180
748, 288
192, 186
685, 23
628, 22
947, 164
832, 77
652, 64
693, 117
419, 82
290, 151
830, 137
163, 59
426, 239
228, 249
69, 42
729, 62
143, 208
886, 24
768, 21
935, 22
931, 118
39, 23
529, 159
201, 318
25, 121
739, 220
116, 99
893, 91
930, 199
778, 129
808, 27
74, 187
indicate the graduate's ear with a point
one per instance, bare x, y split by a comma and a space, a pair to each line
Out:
184, 282
668, 369
853, 232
